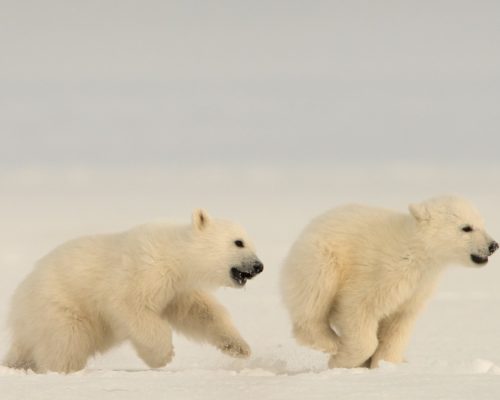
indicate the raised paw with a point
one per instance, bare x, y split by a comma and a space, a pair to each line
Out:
234, 347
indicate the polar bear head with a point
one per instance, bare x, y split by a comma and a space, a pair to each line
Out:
223, 253
454, 230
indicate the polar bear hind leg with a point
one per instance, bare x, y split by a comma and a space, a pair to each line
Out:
20, 357
65, 344
310, 298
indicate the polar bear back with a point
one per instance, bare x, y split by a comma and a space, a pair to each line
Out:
355, 234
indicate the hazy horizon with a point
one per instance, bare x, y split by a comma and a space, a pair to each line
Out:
248, 83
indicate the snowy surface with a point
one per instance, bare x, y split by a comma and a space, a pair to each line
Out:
454, 352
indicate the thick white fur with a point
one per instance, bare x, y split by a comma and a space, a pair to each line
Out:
94, 292
357, 277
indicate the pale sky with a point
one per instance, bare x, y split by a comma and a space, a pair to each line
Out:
94, 83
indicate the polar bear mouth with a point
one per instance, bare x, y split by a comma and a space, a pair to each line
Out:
478, 259
241, 277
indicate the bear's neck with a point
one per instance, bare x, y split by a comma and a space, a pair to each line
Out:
179, 255
164, 247
427, 251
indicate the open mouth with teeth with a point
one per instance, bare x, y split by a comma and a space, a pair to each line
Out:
479, 259
241, 277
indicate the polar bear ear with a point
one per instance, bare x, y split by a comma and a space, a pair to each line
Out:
420, 212
200, 219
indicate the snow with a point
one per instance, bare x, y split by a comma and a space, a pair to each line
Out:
454, 352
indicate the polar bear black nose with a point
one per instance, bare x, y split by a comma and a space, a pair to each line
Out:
258, 267
493, 247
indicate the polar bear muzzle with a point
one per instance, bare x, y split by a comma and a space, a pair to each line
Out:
240, 274
480, 260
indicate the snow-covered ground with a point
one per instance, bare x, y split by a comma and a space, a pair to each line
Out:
454, 353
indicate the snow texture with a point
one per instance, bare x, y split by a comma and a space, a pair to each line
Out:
454, 352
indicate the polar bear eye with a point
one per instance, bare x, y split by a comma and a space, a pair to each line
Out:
467, 228
239, 243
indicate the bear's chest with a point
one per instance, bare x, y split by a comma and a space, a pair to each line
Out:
391, 295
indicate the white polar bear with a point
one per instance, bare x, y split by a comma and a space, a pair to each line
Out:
357, 276
94, 292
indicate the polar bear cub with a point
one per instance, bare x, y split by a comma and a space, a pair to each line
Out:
357, 277
94, 292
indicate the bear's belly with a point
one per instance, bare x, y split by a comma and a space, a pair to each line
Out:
376, 300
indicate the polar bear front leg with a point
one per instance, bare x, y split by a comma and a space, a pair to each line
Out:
358, 341
199, 316
395, 330
393, 334
151, 336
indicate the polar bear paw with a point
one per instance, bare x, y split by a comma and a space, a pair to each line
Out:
318, 339
157, 359
233, 347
